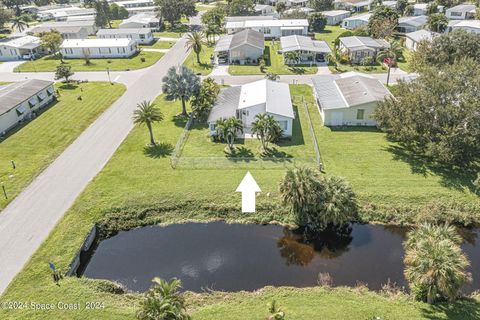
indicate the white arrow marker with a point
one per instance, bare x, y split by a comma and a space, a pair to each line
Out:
248, 187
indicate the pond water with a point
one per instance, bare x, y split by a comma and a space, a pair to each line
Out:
233, 257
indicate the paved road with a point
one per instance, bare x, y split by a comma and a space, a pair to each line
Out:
26, 222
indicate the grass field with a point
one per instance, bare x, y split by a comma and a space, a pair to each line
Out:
377, 68
50, 63
205, 67
172, 32
158, 45
274, 63
37, 143
141, 177
329, 34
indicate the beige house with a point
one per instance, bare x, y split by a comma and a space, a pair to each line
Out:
243, 47
359, 48
348, 99
21, 101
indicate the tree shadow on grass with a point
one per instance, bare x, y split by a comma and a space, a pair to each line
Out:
161, 150
69, 86
240, 154
456, 178
275, 155
463, 309
180, 120
297, 132
297, 69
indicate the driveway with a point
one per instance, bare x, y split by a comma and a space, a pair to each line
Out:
26, 222
9, 66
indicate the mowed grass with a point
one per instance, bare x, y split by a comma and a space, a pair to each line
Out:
299, 146
274, 64
138, 175
37, 143
205, 67
376, 68
50, 63
329, 34
158, 45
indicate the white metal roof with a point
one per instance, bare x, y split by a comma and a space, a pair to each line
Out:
335, 13
348, 90
97, 43
362, 17
123, 31
296, 43
420, 35
275, 96
416, 21
466, 7
475, 24
354, 42
267, 23
23, 42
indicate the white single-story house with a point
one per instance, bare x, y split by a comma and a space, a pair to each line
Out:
306, 10
20, 101
411, 24
259, 97
64, 13
461, 12
80, 18
270, 28
413, 38
356, 21
141, 36
348, 99
311, 51
296, 3
335, 17
472, 26
243, 47
141, 20
69, 30
352, 5
390, 4
134, 7
20, 48
264, 10
98, 48
245, 18
420, 9
359, 48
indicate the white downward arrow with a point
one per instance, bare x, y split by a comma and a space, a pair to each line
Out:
248, 187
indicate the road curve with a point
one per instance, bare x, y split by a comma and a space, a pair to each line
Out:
26, 222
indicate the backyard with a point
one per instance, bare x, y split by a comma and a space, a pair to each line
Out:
36, 144
49, 63
200, 151
139, 187
329, 34
274, 64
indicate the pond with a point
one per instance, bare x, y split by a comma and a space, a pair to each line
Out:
234, 257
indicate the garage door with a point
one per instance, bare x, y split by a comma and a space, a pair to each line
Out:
337, 118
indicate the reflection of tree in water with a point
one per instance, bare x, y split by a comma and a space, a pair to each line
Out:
332, 241
398, 230
468, 235
300, 247
293, 249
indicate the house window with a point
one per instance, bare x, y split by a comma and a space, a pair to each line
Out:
283, 124
360, 114
455, 14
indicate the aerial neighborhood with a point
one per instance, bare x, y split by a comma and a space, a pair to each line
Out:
239, 159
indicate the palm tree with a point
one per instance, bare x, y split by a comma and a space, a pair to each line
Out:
194, 42
19, 23
298, 189
435, 263
292, 56
391, 53
163, 301
335, 57
227, 129
266, 128
147, 113
180, 83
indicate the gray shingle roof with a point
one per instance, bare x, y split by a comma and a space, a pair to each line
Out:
348, 90
226, 104
12, 95
415, 21
295, 43
248, 36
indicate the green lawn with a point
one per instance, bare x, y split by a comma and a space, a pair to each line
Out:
172, 32
403, 62
300, 146
50, 63
200, 7
275, 64
377, 68
158, 45
329, 34
138, 178
39, 142
205, 67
